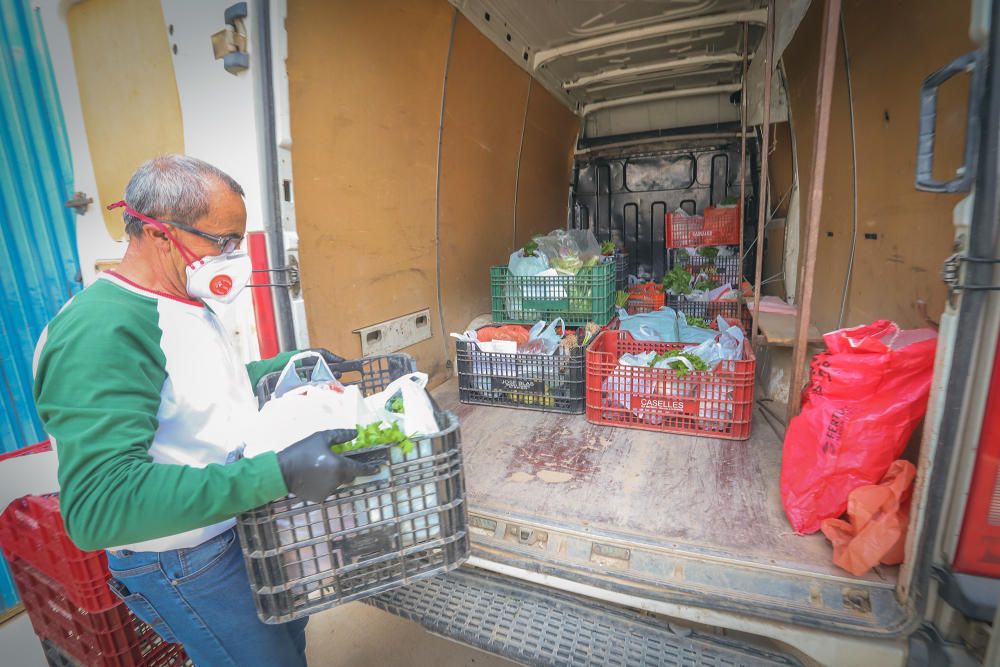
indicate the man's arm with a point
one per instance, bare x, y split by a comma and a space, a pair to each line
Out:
97, 390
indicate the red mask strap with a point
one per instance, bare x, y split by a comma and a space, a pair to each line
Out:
188, 256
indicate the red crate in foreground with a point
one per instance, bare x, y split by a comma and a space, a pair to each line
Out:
719, 226
111, 638
716, 403
31, 529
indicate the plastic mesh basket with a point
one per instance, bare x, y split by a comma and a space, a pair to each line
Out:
31, 528
551, 383
404, 524
716, 403
589, 296
721, 269
719, 226
621, 271
111, 638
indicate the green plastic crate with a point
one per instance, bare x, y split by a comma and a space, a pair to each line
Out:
589, 296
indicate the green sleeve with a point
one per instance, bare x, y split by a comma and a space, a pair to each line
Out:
258, 369
97, 389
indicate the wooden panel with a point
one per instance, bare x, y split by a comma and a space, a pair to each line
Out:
128, 91
543, 182
893, 46
365, 85
484, 112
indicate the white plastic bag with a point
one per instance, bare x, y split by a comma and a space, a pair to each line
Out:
417, 417
544, 339
298, 408
519, 265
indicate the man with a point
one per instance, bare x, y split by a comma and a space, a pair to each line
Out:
145, 401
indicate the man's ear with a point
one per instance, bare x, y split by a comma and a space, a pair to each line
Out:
156, 237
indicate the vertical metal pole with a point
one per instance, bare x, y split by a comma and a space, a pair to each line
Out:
814, 204
271, 187
764, 152
743, 149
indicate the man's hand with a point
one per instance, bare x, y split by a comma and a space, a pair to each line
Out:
313, 472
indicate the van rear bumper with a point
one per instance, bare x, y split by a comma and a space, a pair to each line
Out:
534, 624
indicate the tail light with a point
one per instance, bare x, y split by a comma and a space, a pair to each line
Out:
979, 543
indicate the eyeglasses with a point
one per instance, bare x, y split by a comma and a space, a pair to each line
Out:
227, 244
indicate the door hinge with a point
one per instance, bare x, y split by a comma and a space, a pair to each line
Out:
951, 272
291, 273
80, 202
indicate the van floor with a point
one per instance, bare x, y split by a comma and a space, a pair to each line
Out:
681, 493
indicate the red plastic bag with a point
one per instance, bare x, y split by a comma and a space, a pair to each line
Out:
510, 332
865, 396
878, 516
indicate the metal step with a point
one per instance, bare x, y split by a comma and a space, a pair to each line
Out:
535, 625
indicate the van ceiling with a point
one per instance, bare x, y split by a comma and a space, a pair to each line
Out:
598, 54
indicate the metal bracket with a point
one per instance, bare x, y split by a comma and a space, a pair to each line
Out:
292, 280
80, 202
952, 269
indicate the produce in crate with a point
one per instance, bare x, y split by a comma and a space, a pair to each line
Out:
670, 386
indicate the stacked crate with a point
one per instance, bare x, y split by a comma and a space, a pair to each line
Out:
65, 592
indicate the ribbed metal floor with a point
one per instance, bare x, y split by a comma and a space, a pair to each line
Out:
535, 625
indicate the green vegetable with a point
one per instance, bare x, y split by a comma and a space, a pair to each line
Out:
705, 285
608, 248
695, 321
374, 435
621, 298
709, 252
679, 366
677, 281
729, 201
396, 405
530, 249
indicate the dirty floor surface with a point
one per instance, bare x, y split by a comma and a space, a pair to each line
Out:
359, 634
352, 635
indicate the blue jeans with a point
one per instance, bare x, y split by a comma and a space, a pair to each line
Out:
200, 597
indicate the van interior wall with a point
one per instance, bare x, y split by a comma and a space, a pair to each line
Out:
365, 84
903, 235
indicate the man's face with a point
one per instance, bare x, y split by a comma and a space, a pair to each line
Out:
226, 217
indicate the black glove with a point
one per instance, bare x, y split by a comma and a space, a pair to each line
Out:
313, 472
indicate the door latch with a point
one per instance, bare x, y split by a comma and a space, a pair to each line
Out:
951, 272
291, 279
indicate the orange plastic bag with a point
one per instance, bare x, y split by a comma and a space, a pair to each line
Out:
878, 515
513, 332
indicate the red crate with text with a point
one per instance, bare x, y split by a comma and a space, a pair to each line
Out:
716, 403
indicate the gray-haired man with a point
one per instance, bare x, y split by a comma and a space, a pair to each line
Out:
145, 400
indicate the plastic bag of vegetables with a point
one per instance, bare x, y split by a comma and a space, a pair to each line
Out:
562, 251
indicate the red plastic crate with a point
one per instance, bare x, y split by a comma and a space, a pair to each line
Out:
719, 226
645, 298
31, 528
111, 638
716, 403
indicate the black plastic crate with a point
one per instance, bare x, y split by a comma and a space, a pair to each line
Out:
550, 383
726, 269
711, 310
621, 271
405, 524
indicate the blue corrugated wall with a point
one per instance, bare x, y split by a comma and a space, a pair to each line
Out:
39, 266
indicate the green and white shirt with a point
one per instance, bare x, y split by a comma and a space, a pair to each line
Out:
146, 402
